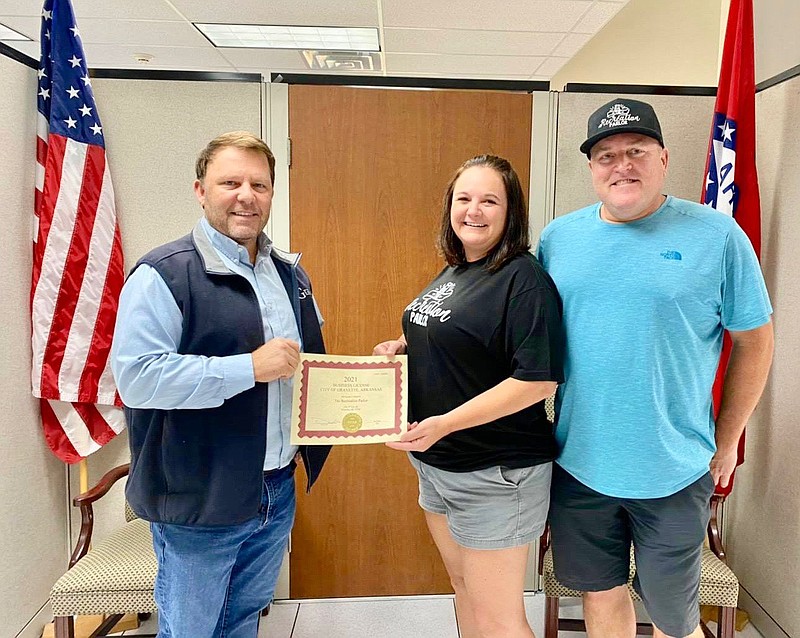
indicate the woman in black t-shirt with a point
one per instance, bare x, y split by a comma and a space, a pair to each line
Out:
484, 344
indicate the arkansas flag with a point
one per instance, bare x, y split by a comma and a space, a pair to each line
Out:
731, 184
77, 253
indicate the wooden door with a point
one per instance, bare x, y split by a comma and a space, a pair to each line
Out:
369, 168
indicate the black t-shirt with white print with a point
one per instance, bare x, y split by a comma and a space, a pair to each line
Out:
468, 331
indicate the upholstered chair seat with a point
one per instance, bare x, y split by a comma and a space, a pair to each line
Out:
113, 577
719, 586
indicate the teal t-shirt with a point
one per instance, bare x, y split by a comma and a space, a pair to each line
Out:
645, 308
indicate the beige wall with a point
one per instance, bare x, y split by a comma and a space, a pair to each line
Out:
32, 481
763, 525
651, 42
777, 44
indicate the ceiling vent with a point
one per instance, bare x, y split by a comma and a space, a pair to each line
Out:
342, 60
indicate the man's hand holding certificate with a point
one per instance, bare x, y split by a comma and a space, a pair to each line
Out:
344, 400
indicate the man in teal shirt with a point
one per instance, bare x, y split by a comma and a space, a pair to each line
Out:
649, 284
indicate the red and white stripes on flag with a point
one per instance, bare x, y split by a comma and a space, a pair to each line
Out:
77, 252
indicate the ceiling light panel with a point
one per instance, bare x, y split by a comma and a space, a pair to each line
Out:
257, 36
9, 34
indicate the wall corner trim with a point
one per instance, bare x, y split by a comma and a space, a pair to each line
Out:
760, 617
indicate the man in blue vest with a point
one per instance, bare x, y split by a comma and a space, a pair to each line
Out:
208, 336
649, 284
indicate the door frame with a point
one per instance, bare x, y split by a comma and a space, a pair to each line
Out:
275, 131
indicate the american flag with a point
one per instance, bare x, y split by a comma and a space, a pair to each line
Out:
731, 184
77, 252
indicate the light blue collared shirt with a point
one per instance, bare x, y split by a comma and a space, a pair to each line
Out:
150, 373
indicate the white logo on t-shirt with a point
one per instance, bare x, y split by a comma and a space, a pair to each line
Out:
430, 305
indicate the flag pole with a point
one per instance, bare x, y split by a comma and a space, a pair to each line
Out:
83, 476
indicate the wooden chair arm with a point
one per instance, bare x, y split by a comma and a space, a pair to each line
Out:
102, 487
714, 536
544, 545
84, 501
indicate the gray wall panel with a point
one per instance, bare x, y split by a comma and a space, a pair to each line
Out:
154, 131
685, 123
33, 481
763, 526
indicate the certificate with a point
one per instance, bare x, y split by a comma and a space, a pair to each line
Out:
344, 400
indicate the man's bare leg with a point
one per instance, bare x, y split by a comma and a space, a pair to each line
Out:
609, 613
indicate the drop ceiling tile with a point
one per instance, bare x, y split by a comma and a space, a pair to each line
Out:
551, 66
465, 65
352, 13
109, 31
452, 41
115, 9
455, 41
274, 59
140, 32
494, 15
597, 17
571, 44
177, 58
122, 10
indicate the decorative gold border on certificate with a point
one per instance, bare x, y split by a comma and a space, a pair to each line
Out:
307, 364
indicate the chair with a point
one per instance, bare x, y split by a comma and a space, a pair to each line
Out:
115, 577
719, 586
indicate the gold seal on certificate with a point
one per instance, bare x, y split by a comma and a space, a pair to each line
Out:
352, 422
344, 400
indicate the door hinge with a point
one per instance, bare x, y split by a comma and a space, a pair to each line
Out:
289, 151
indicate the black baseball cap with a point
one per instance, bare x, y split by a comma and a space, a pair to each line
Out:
621, 116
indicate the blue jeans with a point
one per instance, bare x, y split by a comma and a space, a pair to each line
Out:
212, 582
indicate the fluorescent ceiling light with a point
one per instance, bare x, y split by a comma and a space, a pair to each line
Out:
9, 34
258, 36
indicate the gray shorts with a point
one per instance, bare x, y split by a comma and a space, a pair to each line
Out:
494, 508
592, 535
